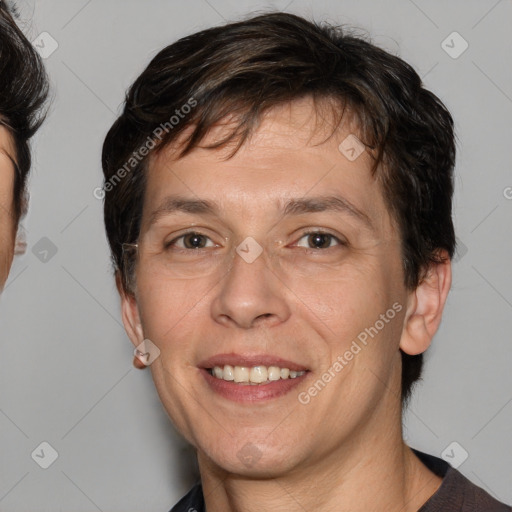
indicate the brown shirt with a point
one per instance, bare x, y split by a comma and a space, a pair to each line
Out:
455, 494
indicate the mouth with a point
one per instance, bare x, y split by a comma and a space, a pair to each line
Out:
251, 378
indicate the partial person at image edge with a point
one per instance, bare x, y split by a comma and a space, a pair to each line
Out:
23, 92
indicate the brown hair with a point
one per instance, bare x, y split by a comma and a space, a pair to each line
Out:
248, 67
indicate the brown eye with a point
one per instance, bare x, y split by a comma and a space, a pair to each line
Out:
319, 240
190, 240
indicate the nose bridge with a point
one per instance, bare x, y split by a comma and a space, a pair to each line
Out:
248, 291
250, 259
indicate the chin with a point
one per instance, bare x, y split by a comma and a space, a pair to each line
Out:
253, 461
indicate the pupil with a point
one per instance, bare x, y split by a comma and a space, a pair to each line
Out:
320, 239
195, 241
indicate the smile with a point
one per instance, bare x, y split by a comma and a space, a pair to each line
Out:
254, 375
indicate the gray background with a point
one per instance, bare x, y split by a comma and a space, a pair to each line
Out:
65, 372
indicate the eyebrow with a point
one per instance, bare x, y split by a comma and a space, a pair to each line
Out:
294, 206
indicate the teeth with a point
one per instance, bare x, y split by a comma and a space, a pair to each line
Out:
227, 374
253, 375
274, 373
258, 374
241, 373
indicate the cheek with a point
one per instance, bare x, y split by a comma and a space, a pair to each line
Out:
5, 265
345, 303
357, 318
7, 228
6, 250
171, 310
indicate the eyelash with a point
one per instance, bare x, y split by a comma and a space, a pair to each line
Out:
341, 242
171, 243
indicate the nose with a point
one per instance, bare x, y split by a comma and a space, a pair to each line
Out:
250, 294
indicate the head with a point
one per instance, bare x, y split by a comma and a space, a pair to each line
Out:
251, 117
23, 90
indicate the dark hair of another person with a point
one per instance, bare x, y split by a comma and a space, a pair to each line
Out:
23, 91
248, 67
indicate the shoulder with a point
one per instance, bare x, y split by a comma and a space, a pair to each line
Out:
456, 493
192, 501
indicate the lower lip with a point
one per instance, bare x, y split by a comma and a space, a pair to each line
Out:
248, 393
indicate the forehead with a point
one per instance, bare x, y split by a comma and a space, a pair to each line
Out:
293, 152
292, 125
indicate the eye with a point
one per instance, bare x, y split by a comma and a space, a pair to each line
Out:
191, 240
319, 240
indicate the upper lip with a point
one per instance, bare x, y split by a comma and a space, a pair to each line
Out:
250, 360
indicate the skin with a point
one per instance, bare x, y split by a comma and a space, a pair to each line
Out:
344, 450
7, 230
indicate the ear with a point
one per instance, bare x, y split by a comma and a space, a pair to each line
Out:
425, 307
130, 313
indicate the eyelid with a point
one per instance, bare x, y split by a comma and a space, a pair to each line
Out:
184, 234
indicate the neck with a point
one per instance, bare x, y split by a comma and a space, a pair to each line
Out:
371, 472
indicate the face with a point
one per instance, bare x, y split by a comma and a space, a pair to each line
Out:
281, 258
7, 231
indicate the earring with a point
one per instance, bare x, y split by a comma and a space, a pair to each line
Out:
137, 363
